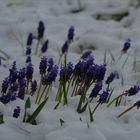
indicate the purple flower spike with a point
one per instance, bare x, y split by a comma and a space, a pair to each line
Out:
45, 46
86, 54
21, 74
71, 33
65, 47
28, 51
133, 90
100, 72
29, 71
96, 90
7, 98
111, 77
28, 59
51, 76
80, 68
65, 73
43, 65
41, 29
33, 87
104, 96
29, 39
5, 85
13, 73
21, 93
126, 46
14, 87
16, 112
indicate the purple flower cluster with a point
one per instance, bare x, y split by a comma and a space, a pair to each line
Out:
71, 33
7, 98
29, 71
15, 84
133, 90
50, 76
33, 87
104, 96
65, 73
126, 46
41, 30
111, 77
44, 47
43, 65
95, 91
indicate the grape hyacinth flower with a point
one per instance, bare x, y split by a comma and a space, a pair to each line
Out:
21, 93
86, 54
65, 73
100, 72
89, 61
16, 112
29, 71
13, 73
28, 51
133, 90
7, 98
80, 68
5, 84
103, 99
41, 29
95, 91
14, 87
65, 47
111, 77
21, 74
45, 46
28, 59
127, 45
33, 87
104, 96
22, 83
43, 65
29, 39
51, 76
71, 33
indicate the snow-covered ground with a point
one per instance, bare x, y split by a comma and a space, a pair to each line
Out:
95, 28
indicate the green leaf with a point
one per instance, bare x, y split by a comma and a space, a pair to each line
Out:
90, 114
28, 103
82, 99
36, 112
83, 108
1, 118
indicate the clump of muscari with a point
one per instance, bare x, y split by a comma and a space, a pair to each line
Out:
74, 80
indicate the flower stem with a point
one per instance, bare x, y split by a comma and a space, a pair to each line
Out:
128, 109
47, 92
95, 108
42, 94
38, 93
37, 46
115, 99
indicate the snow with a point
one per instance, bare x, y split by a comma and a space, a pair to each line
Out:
19, 17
